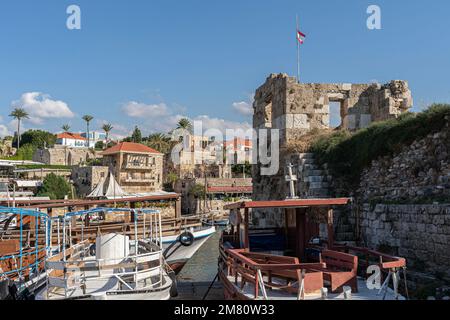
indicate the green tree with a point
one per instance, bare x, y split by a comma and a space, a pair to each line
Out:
87, 118
38, 138
55, 187
107, 127
198, 191
159, 142
241, 169
185, 123
99, 145
137, 135
26, 152
19, 114
172, 178
66, 128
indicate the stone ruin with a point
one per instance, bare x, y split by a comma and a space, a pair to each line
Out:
6, 148
295, 109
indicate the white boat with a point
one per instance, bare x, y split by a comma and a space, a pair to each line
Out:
117, 267
178, 249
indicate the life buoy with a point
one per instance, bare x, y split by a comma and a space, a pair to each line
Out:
186, 239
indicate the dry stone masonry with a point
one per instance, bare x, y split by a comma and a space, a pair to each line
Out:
420, 233
402, 204
420, 172
297, 109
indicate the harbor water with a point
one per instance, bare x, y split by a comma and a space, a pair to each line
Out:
200, 271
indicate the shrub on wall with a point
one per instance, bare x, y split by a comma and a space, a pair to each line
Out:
348, 154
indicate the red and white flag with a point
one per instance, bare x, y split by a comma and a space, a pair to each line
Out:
300, 37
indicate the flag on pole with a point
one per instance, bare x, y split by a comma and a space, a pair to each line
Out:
300, 37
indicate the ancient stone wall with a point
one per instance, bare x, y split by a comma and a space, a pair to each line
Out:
295, 109
420, 233
421, 171
64, 156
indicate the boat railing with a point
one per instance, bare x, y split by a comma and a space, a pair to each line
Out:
390, 265
73, 274
25, 244
268, 272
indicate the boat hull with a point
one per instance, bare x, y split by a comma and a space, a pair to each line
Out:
161, 293
177, 254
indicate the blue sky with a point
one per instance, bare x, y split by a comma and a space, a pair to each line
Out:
148, 63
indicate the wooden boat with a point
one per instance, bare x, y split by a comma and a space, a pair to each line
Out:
296, 262
117, 267
181, 237
23, 249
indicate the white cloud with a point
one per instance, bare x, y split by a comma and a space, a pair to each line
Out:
221, 124
4, 131
137, 110
40, 107
161, 118
244, 108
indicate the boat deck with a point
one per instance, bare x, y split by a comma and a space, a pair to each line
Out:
110, 285
363, 293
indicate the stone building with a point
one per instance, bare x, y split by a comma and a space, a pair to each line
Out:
85, 179
64, 156
296, 109
219, 192
136, 167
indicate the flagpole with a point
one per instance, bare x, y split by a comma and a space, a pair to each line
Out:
298, 52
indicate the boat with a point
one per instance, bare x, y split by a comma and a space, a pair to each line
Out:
301, 260
115, 266
23, 249
181, 237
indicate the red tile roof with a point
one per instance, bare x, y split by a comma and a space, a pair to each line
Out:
244, 189
129, 147
69, 135
238, 142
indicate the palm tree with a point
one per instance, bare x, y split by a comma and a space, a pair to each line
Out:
107, 127
88, 119
185, 123
19, 114
159, 142
66, 128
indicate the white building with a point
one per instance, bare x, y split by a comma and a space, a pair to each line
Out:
71, 140
94, 137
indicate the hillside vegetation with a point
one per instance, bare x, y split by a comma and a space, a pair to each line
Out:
348, 154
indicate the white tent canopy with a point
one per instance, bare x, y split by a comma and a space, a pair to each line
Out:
113, 190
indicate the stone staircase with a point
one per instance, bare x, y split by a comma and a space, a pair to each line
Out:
313, 181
